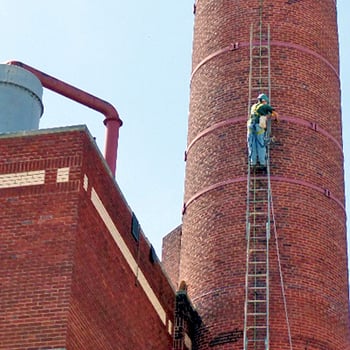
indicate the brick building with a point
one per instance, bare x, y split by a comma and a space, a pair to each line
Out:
77, 271
75, 267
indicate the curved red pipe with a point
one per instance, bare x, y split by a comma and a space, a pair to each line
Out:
112, 121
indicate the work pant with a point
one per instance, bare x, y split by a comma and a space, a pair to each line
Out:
256, 144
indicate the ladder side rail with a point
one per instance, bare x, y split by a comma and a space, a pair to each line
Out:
269, 200
245, 340
247, 260
250, 68
269, 58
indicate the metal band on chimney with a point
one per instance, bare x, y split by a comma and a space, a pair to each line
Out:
324, 191
294, 120
237, 45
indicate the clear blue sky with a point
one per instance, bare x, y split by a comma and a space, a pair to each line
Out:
137, 56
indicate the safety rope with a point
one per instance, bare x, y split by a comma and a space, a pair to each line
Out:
281, 274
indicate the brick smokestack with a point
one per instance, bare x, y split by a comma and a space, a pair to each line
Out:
307, 177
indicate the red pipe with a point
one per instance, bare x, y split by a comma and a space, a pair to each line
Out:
112, 121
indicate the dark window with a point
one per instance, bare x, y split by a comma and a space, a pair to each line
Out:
135, 227
153, 255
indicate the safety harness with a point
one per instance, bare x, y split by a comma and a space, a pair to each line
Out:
255, 117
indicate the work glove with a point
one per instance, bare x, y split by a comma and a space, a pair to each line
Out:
274, 114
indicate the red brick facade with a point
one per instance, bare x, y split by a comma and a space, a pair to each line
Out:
306, 174
171, 254
72, 274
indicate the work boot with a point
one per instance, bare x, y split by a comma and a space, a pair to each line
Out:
263, 169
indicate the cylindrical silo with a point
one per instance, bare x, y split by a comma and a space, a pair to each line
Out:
20, 99
306, 172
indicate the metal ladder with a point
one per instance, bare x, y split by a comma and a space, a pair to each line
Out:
260, 66
258, 214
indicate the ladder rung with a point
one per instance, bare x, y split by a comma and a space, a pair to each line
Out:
258, 89
264, 271
257, 288
260, 53
257, 250
256, 327
256, 301
260, 45
261, 67
257, 262
261, 75
255, 340
256, 313
258, 213
261, 78
257, 275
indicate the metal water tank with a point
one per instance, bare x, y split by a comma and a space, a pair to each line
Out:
20, 99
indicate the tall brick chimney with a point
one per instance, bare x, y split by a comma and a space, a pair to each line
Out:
307, 179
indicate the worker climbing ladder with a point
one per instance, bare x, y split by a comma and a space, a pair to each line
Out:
256, 308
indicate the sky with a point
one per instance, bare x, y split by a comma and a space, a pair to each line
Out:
137, 56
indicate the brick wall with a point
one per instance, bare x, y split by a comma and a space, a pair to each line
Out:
72, 275
171, 254
38, 225
306, 173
